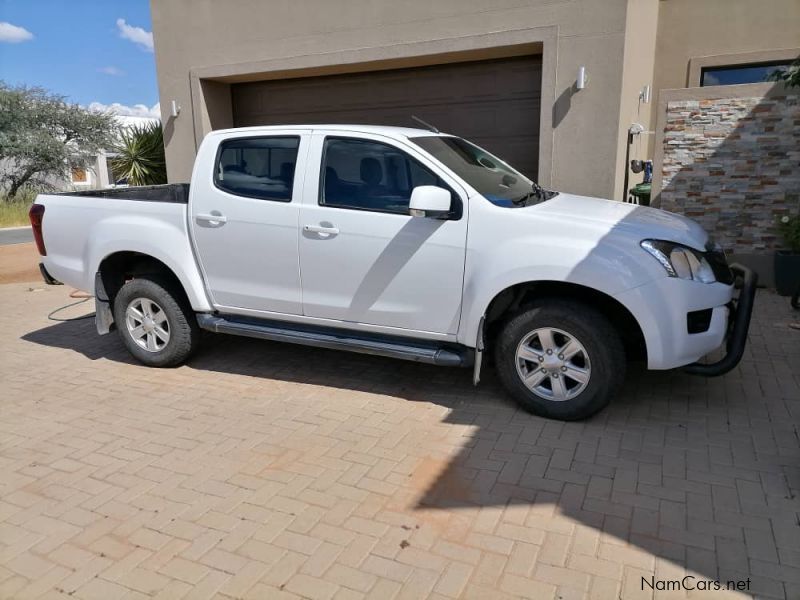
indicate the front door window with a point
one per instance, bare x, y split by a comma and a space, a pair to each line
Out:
368, 175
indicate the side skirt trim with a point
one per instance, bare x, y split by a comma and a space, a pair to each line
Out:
393, 347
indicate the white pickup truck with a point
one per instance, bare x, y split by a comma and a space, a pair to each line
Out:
405, 243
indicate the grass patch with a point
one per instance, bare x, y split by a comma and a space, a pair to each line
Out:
15, 212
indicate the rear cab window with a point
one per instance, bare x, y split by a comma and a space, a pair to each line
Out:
257, 167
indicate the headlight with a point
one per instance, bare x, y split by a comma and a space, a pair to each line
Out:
680, 261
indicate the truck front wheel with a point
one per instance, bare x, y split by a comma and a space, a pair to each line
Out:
560, 359
155, 322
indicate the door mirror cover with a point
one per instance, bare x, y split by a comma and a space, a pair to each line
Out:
430, 201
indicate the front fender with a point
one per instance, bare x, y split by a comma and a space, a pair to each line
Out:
608, 267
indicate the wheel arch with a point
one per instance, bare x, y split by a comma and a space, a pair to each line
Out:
118, 267
117, 264
514, 298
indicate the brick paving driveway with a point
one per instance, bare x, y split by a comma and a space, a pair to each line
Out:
264, 470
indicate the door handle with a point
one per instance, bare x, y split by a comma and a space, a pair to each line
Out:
211, 218
321, 229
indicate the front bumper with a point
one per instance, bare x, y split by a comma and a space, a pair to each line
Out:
661, 307
738, 326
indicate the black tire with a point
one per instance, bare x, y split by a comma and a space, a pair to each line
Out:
602, 343
184, 333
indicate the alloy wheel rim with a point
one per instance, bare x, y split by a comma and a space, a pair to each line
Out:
147, 324
553, 364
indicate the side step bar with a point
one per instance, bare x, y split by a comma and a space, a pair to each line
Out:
393, 347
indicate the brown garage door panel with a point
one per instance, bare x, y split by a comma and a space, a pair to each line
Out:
495, 103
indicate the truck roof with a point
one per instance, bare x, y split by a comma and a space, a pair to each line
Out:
387, 130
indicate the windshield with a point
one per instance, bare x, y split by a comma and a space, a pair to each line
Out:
498, 182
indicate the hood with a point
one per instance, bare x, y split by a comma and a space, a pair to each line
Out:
639, 221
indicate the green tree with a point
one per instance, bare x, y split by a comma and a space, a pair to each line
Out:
140, 155
43, 137
790, 75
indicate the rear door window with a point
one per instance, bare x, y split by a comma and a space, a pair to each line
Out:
258, 167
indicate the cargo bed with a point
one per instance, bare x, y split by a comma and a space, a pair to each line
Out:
176, 193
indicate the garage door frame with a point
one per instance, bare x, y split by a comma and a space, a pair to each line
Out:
210, 85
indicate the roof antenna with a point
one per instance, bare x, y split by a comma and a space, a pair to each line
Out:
426, 125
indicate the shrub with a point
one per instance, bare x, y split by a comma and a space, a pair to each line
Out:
140, 156
789, 226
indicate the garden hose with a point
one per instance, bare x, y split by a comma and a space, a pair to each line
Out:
83, 297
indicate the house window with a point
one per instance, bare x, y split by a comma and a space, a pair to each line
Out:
738, 74
80, 176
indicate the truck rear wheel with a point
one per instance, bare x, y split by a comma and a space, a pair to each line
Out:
155, 322
560, 359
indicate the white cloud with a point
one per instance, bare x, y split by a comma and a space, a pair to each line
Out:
111, 71
122, 110
13, 34
137, 35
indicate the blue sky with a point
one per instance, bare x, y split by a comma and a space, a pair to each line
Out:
88, 50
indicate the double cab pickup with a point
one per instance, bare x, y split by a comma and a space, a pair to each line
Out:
405, 243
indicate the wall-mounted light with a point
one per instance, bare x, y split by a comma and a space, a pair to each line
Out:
583, 78
644, 95
175, 109
636, 129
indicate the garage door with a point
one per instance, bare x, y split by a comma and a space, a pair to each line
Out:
495, 103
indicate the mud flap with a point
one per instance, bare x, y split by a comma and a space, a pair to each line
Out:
476, 370
103, 315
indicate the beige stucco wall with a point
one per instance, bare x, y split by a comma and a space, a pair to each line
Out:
641, 24
689, 29
669, 41
203, 45
208, 38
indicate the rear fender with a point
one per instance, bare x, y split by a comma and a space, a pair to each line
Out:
166, 242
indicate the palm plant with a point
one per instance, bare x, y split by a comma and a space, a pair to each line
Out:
140, 155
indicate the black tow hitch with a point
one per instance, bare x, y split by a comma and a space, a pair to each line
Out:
48, 279
737, 337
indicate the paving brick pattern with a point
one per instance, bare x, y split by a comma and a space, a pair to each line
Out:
272, 471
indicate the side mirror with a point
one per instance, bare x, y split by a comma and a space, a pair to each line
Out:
429, 201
